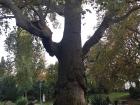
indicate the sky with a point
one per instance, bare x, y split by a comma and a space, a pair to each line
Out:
88, 27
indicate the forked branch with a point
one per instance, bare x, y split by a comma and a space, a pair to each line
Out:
36, 28
97, 35
107, 21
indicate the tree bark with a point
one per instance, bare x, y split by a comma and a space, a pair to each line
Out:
71, 78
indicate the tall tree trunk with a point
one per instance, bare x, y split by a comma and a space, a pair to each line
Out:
71, 79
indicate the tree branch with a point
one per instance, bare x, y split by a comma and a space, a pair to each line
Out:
6, 17
36, 28
129, 12
23, 22
134, 30
97, 35
53, 7
50, 46
107, 21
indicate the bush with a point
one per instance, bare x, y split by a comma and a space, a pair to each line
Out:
134, 92
9, 103
47, 88
1, 103
21, 101
8, 89
100, 100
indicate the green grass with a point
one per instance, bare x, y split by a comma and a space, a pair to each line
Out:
114, 96
117, 95
1, 103
47, 103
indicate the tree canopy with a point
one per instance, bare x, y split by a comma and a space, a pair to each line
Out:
31, 16
116, 58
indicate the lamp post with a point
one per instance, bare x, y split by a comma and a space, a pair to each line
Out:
40, 87
41, 78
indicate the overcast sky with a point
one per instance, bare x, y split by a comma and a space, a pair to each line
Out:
88, 27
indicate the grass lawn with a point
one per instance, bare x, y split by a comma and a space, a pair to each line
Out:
47, 103
124, 96
118, 95
115, 95
121, 96
1, 103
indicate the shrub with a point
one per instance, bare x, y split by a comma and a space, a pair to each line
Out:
99, 100
8, 89
134, 92
21, 101
9, 103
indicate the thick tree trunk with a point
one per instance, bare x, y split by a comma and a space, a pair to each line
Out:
71, 77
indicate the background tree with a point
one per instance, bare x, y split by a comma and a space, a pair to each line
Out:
8, 89
47, 77
23, 61
116, 58
31, 16
2, 67
6, 67
28, 64
51, 78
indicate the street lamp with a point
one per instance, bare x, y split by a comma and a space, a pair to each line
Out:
40, 87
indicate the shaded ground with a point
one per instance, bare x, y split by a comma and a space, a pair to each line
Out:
131, 101
124, 97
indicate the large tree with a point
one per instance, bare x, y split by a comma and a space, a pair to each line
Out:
31, 16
